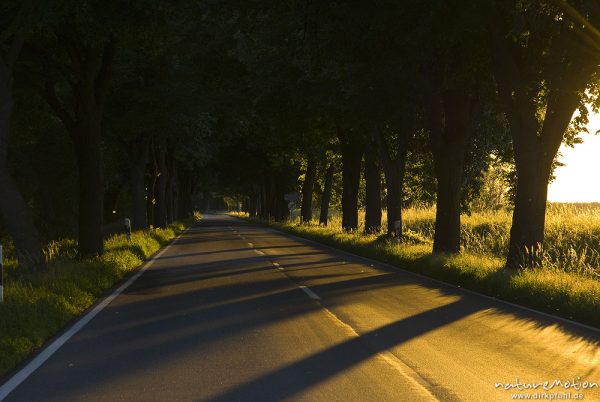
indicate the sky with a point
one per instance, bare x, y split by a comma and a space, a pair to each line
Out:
578, 180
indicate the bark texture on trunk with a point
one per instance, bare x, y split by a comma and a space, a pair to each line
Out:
373, 190
529, 214
450, 140
91, 183
394, 167
324, 214
307, 190
394, 181
15, 214
137, 172
352, 150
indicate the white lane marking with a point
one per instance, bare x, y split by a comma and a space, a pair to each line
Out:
250, 245
309, 292
259, 252
418, 383
49, 350
431, 279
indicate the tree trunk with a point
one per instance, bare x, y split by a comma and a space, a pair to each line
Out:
263, 210
352, 151
13, 209
447, 218
91, 184
275, 198
253, 201
307, 191
529, 214
252, 205
186, 193
152, 183
137, 173
171, 188
324, 215
449, 146
394, 181
373, 191
174, 193
394, 168
160, 208
111, 198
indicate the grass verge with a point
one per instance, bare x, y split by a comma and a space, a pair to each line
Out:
37, 306
566, 294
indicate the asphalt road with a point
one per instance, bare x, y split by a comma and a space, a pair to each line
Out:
237, 312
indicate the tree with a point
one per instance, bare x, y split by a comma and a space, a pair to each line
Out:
351, 145
545, 56
13, 209
90, 67
326, 196
372, 175
307, 189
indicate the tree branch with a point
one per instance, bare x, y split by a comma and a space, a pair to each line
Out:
49, 94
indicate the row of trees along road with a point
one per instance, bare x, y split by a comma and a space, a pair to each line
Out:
141, 108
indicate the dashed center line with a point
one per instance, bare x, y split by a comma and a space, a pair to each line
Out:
276, 265
250, 245
309, 292
259, 252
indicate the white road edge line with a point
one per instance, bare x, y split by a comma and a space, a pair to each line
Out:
309, 292
49, 350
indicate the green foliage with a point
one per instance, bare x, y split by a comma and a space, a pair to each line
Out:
38, 306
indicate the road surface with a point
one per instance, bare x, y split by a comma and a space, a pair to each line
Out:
237, 312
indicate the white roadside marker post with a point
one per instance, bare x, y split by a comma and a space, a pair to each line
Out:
127, 223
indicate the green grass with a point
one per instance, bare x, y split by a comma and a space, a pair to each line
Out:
37, 306
567, 284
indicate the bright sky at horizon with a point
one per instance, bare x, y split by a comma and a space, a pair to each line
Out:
577, 181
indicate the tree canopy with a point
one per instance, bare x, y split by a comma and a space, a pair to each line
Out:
150, 110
